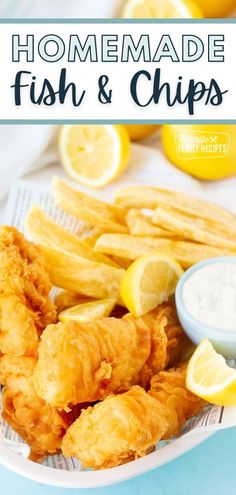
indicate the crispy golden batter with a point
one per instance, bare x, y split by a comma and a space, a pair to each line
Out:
85, 362
41, 425
167, 340
177, 339
126, 426
168, 387
15, 366
35, 421
25, 307
117, 430
79, 362
18, 332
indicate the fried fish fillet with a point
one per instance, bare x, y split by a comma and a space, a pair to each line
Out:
25, 307
11, 366
127, 426
168, 340
169, 389
85, 362
80, 363
116, 430
40, 425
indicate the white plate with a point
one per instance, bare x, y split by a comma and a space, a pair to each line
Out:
94, 479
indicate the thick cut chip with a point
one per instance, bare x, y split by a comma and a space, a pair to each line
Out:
185, 252
141, 225
82, 276
46, 232
103, 216
195, 229
122, 262
152, 197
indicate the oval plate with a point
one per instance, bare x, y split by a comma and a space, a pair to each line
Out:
95, 479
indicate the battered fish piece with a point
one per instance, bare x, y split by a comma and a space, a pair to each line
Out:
11, 366
25, 307
40, 425
84, 363
18, 332
80, 363
169, 388
117, 430
127, 426
167, 340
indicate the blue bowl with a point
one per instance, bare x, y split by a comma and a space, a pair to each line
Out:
224, 341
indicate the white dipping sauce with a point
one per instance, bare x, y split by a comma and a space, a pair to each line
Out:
209, 294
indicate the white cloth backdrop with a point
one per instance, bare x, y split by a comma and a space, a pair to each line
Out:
32, 149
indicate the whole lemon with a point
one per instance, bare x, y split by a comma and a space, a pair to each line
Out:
207, 152
216, 8
140, 131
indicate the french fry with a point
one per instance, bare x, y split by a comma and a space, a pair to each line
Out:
152, 197
103, 216
141, 225
122, 262
91, 240
186, 253
66, 299
192, 228
82, 276
44, 231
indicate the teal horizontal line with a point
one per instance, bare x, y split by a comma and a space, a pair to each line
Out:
114, 121
116, 21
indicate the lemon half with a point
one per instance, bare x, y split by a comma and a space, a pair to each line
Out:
94, 155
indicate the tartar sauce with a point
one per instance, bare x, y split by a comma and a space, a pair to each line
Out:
209, 295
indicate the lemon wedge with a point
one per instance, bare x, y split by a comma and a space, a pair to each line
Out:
87, 312
162, 9
149, 281
94, 155
209, 376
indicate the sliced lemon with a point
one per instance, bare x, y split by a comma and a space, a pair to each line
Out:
87, 312
149, 281
94, 155
161, 9
209, 377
